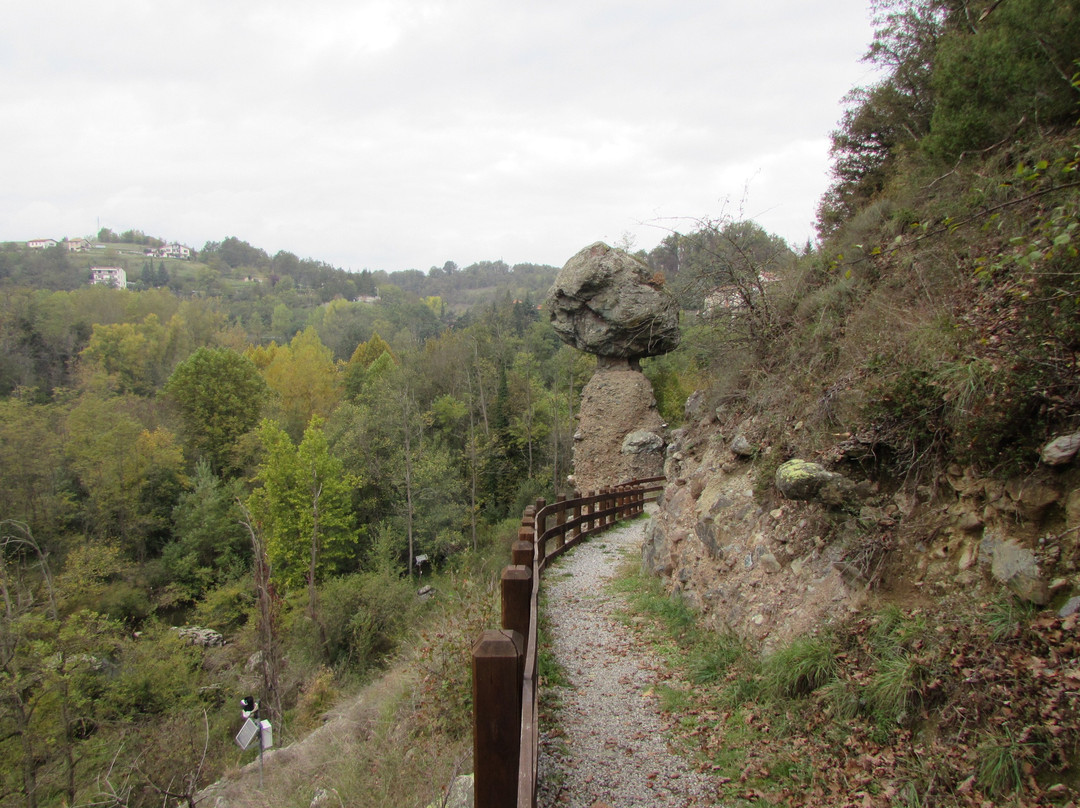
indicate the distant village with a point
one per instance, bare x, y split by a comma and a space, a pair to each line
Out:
109, 276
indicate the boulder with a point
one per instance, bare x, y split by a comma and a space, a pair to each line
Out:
741, 447
803, 480
1070, 607
640, 441
1017, 568
197, 635
607, 302
695, 406
1060, 450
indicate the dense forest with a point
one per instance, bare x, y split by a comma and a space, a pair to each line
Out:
266, 446
230, 417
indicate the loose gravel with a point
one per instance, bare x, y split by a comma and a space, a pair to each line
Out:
608, 745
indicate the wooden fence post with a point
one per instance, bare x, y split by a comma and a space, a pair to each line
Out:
560, 520
516, 598
577, 513
522, 551
498, 668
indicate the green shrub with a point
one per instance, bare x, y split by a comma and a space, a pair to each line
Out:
227, 607
443, 696
317, 696
363, 616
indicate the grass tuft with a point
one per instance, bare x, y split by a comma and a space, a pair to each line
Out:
894, 693
801, 667
1007, 617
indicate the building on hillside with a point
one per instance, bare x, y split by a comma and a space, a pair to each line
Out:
77, 244
109, 276
733, 297
173, 250
41, 243
369, 298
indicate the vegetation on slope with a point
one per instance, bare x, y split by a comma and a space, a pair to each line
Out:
233, 446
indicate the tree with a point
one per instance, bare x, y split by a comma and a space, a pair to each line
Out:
303, 505
132, 355
122, 467
49, 673
220, 395
210, 543
269, 604
305, 378
895, 111
30, 466
1014, 68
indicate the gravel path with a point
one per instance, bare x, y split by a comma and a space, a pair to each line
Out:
610, 747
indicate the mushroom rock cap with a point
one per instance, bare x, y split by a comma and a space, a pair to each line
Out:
607, 302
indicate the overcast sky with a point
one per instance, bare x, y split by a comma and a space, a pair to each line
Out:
402, 134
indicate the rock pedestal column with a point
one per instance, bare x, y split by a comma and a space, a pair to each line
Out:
609, 303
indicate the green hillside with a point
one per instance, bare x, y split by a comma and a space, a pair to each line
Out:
265, 446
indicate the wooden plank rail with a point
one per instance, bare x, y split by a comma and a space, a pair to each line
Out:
505, 689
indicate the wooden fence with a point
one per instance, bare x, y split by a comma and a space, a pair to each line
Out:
505, 731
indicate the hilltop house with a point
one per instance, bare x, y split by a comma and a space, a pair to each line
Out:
733, 297
173, 250
41, 243
76, 244
109, 276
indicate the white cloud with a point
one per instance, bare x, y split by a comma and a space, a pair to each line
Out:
402, 133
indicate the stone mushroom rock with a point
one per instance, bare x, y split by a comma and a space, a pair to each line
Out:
607, 302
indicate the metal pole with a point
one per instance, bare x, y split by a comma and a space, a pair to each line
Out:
258, 721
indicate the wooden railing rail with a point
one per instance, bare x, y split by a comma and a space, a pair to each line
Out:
505, 729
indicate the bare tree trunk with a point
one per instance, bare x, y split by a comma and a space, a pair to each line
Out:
408, 476
313, 590
267, 601
480, 384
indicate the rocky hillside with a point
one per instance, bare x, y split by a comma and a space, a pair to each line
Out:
875, 488
770, 567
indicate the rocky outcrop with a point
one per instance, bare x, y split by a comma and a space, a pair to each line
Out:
770, 555
620, 432
606, 302
197, 635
